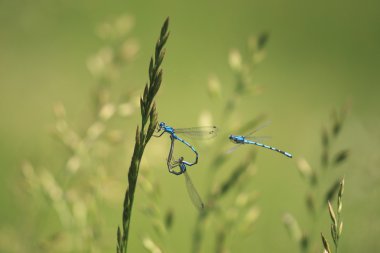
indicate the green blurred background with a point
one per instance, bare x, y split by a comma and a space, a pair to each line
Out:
319, 55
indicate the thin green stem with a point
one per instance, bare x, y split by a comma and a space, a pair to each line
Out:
148, 114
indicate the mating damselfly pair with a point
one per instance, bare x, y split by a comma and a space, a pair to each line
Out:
205, 132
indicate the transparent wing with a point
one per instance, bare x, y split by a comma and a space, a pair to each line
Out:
193, 194
258, 138
264, 125
205, 132
235, 147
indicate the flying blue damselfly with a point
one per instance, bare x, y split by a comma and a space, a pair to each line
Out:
242, 139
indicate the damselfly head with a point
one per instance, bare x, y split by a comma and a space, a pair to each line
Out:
161, 125
233, 139
181, 164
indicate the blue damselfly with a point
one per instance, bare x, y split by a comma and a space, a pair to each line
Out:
191, 190
195, 133
240, 140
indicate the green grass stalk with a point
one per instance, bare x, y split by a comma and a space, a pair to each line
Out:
143, 134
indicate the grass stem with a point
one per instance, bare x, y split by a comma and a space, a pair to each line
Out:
143, 134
